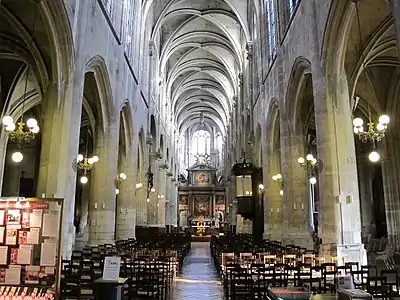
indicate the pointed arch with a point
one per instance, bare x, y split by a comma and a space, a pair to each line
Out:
97, 66
301, 68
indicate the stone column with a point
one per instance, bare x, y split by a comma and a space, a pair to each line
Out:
296, 201
390, 175
340, 221
273, 225
174, 204
152, 209
140, 199
366, 199
162, 192
60, 138
395, 4
85, 206
102, 204
126, 210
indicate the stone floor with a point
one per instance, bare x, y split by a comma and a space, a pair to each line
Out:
198, 279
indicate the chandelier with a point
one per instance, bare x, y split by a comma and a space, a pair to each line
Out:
85, 164
19, 132
314, 164
120, 178
278, 179
375, 131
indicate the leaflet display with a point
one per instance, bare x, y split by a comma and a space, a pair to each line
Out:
30, 247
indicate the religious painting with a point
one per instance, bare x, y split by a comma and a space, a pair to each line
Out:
220, 200
183, 200
202, 206
202, 178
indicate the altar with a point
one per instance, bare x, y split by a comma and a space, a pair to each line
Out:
201, 202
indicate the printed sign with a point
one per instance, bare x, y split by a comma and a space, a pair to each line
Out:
112, 264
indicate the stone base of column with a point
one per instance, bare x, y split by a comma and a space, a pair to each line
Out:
101, 229
68, 242
126, 224
301, 240
273, 236
350, 252
353, 253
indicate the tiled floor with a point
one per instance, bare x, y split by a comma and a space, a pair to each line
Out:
198, 279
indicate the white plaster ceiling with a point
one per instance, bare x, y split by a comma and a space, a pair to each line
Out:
201, 46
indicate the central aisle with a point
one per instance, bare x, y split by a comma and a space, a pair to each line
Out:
199, 279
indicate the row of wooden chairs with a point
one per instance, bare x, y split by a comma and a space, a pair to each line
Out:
150, 267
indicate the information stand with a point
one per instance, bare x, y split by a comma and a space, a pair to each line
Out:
30, 248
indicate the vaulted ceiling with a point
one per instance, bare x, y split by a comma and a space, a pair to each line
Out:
201, 45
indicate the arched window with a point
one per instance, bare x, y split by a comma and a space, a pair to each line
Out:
271, 27
128, 6
292, 6
108, 6
201, 145
220, 142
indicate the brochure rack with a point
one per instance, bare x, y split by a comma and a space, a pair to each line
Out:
30, 248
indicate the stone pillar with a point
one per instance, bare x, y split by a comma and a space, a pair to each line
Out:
366, 199
273, 225
391, 187
85, 206
174, 204
162, 192
152, 209
140, 199
395, 4
340, 221
296, 212
60, 138
126, 210
102, 204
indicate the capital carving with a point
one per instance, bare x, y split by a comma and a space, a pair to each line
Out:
149, 139
152, 48
249, 48
240, 76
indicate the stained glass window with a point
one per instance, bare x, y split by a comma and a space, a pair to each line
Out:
271, 26
292, 6
201, 145
108, 5
128, 6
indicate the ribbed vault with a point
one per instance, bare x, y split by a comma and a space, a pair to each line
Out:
200, 47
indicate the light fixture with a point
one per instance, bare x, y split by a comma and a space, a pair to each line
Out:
313, 180
19, 132
281, 192
139, 185
261, 186
374, 131
17, 157
84, 179
277, 177
121, 177
116, 191
148, 200
374, 156
86, 163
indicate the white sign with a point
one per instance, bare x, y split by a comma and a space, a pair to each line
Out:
112, 264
